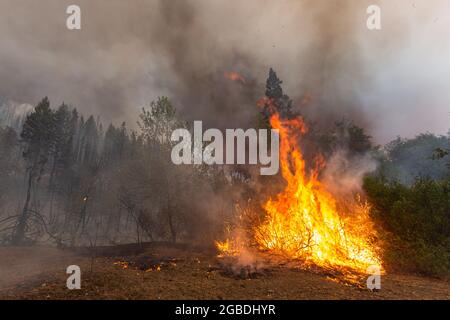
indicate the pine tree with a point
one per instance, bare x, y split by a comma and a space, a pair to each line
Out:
38, 134
63, 135
89, 142
9, 163
277, 101
273, 86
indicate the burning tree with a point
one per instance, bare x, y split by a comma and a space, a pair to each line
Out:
305, 221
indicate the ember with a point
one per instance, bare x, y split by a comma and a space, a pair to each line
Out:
234, 76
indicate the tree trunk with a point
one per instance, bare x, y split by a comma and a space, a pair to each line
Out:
19, 233
170, 220
52, 173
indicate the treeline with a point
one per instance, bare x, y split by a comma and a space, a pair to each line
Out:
70, 181
67, 180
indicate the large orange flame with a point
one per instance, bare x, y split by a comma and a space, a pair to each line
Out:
305, 221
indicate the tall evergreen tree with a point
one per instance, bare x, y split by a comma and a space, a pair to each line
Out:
63, 135
38, 135
278, 100
89, 142
115, 143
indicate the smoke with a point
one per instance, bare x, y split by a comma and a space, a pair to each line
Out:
13, 114
390, 81
344, 174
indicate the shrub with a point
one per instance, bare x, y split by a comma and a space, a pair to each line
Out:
416, 223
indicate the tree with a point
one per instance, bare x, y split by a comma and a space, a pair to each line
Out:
116, 142
89, 142
62, 145
8, 145
276, 98
8, 159
349, 136
408, 159
38, 136
157, 125
440, 153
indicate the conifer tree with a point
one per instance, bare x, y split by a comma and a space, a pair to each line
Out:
38, 136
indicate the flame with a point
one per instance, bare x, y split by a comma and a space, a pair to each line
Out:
234, 76
305, 221
229, 247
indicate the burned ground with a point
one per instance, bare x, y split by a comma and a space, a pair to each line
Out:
165, 271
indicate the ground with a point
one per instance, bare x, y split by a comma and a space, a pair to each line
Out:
162, 271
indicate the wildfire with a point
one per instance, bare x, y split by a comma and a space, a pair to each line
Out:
234, 76
307, 222
122, 264
229, 247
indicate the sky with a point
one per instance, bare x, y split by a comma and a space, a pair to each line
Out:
393, 81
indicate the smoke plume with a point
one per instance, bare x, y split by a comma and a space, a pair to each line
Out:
391, 81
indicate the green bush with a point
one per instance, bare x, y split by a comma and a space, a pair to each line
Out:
415, 222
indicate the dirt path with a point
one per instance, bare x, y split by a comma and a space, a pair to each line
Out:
39, 273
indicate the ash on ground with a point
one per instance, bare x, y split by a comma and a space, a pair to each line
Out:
244, 266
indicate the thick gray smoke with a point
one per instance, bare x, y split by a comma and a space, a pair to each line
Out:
392, 81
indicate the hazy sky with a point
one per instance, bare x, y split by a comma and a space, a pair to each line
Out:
393, 82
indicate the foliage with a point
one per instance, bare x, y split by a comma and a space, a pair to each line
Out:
275, 99
9, 164
417, 218
440, 153
122, 186
170, 202
82, 183
408, 159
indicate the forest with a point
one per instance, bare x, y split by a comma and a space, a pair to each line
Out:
68, 180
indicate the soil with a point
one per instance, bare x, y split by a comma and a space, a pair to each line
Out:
163, 271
